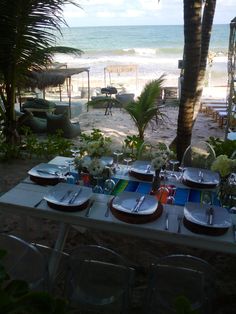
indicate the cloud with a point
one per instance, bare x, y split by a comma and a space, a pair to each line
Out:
150, 5
74, 13
94, 3
132, 13
107, 14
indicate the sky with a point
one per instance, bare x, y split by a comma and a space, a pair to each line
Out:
138, 12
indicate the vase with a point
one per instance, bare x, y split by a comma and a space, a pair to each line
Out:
156, 181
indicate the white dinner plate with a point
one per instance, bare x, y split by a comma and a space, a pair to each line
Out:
197, 214
208, 177
62, 193
46, 171
142, 167
126, 202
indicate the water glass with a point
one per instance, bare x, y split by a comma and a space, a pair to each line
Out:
109, 186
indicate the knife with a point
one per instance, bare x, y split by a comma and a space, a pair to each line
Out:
167, 221
234, 232
210, 215
139, 203
54, 173
87, 214
72, 200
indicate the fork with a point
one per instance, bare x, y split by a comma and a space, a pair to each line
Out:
87, 214
179, 218
108, 208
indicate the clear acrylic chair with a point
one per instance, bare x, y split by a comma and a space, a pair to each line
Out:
202, 278
24, 262
199, 155
100, 280
56, 282
168, 283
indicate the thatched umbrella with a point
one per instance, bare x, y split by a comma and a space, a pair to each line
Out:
56, 77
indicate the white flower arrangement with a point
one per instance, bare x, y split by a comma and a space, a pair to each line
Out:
96, 167
161, 156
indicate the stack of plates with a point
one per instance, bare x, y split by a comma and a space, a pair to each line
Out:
142, 170
68, 197
47, 174
133, 207
200, 178
196, 219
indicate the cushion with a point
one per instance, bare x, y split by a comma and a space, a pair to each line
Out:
37, 125
38, 103
62, 122
124, 99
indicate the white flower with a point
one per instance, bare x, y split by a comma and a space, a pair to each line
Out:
96, 167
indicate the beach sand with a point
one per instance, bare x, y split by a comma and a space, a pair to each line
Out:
119, 125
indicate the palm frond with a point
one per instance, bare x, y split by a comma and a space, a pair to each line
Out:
144, 109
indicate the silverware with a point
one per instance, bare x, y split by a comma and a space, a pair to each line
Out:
108, 208
87, 214
167, 221
67, 194
37, 204
75, 195
140, 201
234, 232
210, 215
179, 218
201, 175
54, 173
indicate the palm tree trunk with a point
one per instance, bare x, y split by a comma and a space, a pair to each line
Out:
207, 21
192, 48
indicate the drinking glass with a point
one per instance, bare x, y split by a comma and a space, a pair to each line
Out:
75, 151
117, 153
127, 159
173, 162
163, 191
181, 168
171, 197
109, 186
98, 188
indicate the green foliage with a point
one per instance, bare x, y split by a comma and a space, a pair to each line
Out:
183, 306
31, 146
144, 109
132, 146
94, 144
222, 147
17, 298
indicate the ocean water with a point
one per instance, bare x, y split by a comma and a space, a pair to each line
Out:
154, 49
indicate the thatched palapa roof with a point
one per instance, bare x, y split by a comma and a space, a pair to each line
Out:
53, 77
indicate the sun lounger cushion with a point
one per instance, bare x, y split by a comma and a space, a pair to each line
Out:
37, 125
124, 99
42, 105
62, 122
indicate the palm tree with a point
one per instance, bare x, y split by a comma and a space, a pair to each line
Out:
145, 108
28, 34
197, 33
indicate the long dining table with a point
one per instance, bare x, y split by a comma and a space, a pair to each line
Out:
21, 200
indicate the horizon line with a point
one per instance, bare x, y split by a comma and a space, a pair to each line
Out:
70, 26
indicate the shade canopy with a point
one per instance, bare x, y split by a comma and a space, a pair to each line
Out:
57, 77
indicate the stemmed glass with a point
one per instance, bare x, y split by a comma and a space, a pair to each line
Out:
117, 153
173, 162
181, 168
109, 186
98, 188
163, 191
127, 159
171, 197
